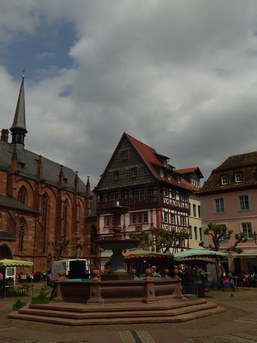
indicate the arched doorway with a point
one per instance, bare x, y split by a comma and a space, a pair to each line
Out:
5, 251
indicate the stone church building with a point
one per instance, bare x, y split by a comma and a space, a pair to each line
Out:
40, 201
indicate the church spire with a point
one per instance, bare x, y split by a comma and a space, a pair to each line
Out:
18, 128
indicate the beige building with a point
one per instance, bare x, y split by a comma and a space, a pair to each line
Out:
193, 176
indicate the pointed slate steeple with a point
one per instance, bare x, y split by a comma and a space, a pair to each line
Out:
18, 128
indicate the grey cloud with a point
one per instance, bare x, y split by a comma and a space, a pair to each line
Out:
177, 75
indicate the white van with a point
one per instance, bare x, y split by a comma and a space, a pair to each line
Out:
10, 273
77, 268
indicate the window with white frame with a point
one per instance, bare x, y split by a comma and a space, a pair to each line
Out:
139, 218
219, 205
183, 221
134, 172
238, 178
194, 210
166, 192
224, 179
108, 221
243, 203
139, 194
113, 198
190, 232
246, 228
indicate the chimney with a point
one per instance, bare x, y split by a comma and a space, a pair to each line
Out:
5, 135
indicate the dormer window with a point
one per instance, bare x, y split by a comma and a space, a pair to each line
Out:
224, 179
238, 178
161, 173
21, 165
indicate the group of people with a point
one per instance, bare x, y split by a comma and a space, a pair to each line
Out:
29, 277
228, 281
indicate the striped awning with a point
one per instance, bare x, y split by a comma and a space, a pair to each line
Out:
145, 254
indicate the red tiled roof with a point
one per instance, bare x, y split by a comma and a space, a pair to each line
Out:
243, 163
191, 170
187, 170
149, 155
236, 161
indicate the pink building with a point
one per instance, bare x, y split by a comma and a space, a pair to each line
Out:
230, 198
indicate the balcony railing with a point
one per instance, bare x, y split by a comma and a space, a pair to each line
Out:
144, 200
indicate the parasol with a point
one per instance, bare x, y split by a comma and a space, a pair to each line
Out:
15, 263
199, 253
145, 254
196, 260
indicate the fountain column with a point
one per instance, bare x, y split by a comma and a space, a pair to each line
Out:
117, 243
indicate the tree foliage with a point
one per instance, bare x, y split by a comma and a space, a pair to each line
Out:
78, 246
162, 240
219, 233
59, 246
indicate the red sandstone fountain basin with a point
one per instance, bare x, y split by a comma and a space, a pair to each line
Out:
118, 291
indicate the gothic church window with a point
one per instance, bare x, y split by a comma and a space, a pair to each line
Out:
22, 195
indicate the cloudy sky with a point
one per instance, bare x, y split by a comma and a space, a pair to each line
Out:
179, 75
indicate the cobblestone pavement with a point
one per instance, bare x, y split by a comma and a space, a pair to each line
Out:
237, 325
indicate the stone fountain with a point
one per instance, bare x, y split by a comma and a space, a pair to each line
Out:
117, 243
117, 298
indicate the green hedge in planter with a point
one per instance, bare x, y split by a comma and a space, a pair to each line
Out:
39, 300
19, 304
42, 298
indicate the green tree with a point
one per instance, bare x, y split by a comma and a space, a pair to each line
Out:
218, 233
78, 246
59, 246
163, 240
143, 237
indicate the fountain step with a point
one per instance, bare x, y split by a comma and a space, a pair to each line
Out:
120, 313
89, 308
120, 316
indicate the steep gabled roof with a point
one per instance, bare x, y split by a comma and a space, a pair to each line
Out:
153, 161
27, 166
150, 157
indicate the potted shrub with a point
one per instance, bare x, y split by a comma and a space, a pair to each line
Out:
42, 298
19, 304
